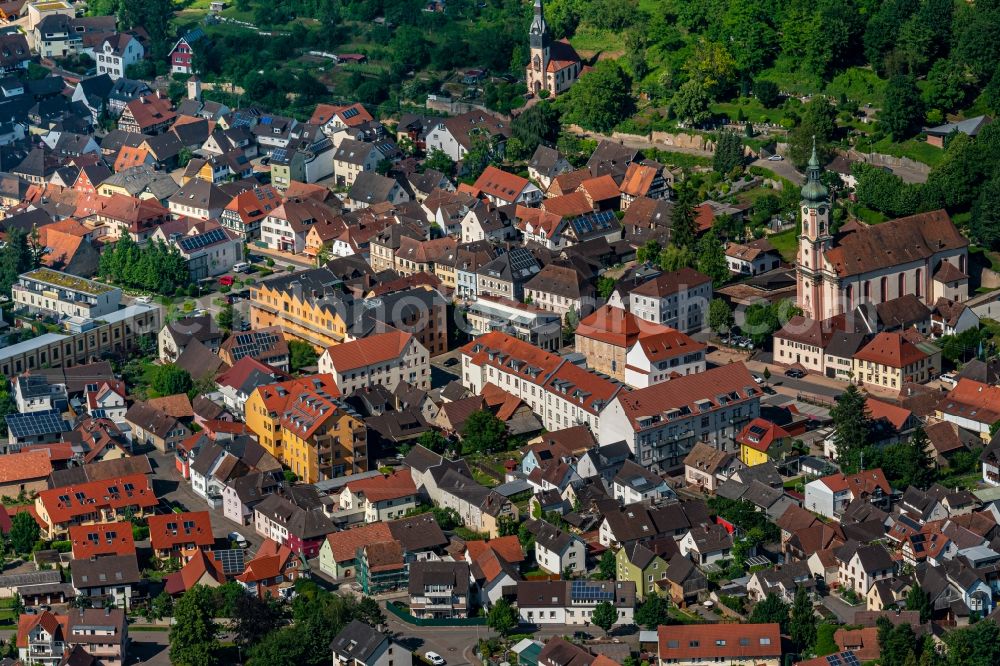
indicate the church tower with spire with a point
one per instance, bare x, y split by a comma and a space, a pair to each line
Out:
540, 43
553, 66
814, 240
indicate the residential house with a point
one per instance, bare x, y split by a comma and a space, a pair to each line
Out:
181, 56
273, 571
572, 602
502, 188
199, 199
685, 583
562, 290
659, 357
174, 338
643, 180
34, 393
117, 53
90, 502
695, 644
152, 427
381, 497
338, 554
752, 258
439, 589
245, 375
861, 566
354, 157
890, 360
266, 346
635, 483
180, 535
506, 275
662, 423
830, 495
545, 164
302, 530
637, 563
81, 636
382, 567
100, 540
557, 550
456, 136
148, 115
110, 578
677, 299
358, 644
285, 228
247, 210
762, 440
707, 467
972, 405
706, 544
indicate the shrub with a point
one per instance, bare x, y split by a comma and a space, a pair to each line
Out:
62, 546
269, 261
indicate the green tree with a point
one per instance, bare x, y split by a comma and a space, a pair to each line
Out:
976, 645
535, 126
433, 440
918, 466
369, 612
984, 224
253, 619
903, 108
162, 606
690, 102
728, 153
184, 156
653, 612
24, 532
526, 537
605, 287
484, 433
918, 600
946, 86
682, 222
720, 316
152, 15
194, 634
674, 258
818, 122
170, 379
600, 100
648, 252
898, 644
852, 427
607, 566
301, 355
767, 93
712, 259
507, 526
15, 258
225, 318
770, 609
605, 615
502, 618
802, 620
438, 160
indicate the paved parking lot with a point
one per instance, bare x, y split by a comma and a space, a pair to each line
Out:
170, 487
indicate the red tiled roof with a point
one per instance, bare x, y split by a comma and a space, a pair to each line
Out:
602, 188
255, 204
862, 482
685, 391
372, 350
760, 434
667, 344
344, 544
63, 504
269, 561
278, 396
711, 642
101, 539
973, 400
194, 571
397, 485
507, 547
638, 179
704, 217
325, 112
52, 623
24, 466
573, 204
177, 529
177, 406
890, 349
667, 284
500, 184
894, 414
616, 326
150, 111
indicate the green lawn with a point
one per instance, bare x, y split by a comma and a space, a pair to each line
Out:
787, 243
594, 40
870, 216
747, 108
824, 640
859, 84
915, 149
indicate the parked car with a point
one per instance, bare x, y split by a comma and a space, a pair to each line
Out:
758, 379
239, 539
949, 379
226, 280
775, 158
144, 299
434, 658
794, 373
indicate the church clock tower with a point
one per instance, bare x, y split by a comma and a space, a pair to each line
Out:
540, 42
814, 240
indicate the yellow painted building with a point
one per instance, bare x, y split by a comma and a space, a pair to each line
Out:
761, 440
301, 423
293, 308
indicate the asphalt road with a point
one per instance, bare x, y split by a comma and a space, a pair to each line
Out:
783, 168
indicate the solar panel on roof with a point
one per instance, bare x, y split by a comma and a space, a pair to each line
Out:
583, 589
233, 561
279, 155
36, 423
350, 113
201, 240
252, 344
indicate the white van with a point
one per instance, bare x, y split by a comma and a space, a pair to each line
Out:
240, 267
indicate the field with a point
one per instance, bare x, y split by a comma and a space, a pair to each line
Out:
787, 243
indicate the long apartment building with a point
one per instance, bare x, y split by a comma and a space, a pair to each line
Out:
52, 292
561, 393
94, 502
311, 306
83, 342
663, 422
302, 423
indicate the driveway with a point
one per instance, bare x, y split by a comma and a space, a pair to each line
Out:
844, 611
170, 487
